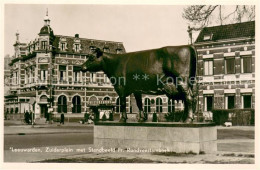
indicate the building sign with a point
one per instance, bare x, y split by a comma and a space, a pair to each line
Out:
95, 103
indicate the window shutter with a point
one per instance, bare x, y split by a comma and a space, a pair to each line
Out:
247, 64
230, 64
218, 64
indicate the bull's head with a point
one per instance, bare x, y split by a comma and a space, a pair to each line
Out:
94, 61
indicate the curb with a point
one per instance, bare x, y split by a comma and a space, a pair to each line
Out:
22, 134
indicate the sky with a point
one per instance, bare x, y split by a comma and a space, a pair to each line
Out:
139, 27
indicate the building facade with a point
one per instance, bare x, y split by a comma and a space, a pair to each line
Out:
45, 75
226, 66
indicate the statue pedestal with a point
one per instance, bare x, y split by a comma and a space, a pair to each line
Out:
174, 136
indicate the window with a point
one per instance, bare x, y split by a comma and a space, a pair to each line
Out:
76, 74
158, 105
15, 78
93, 77
230, 66
230, 102
106, 50
208, 103
106, 98
171, 106
44, 74
147, 105
247, 101
208, 67
63, 46
44, 45
76, 104
32, 75
76, 47
62, 104
106, 79
118, 51
118, 105
26, 77
207, 37
246, 65
62, 73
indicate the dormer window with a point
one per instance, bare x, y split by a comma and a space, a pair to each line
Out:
106, 49
118, 51
207, 37
76, 47
63, 45
92, 49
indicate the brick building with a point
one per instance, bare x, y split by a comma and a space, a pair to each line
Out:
226, 66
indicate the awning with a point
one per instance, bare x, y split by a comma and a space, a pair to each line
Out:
28, 94
11, 96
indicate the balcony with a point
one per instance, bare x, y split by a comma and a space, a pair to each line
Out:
42, 82
28, 85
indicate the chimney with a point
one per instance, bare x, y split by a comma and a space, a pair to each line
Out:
76, 35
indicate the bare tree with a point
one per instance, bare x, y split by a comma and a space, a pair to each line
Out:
200, 16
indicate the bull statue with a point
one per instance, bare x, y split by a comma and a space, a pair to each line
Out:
168, 70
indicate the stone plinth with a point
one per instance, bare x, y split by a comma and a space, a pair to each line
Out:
175, 136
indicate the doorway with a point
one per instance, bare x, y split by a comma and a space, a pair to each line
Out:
44, 110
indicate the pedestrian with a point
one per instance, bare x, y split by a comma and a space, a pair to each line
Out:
47, 116
27, 117
62, 118
31, 117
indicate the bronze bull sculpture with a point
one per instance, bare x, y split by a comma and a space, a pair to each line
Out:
169, 70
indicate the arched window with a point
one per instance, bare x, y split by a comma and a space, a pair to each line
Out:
158, 105
62, 104
106, 98
171, 106
76, 104
118, 105
93, 100
147, 105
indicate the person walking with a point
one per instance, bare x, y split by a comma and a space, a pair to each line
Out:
62, 118
27, 117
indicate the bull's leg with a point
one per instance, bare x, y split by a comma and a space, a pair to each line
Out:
188, 113
185, 89
123, 109
138, 98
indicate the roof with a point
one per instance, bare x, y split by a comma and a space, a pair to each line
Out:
244, 29
46, 30
86, 44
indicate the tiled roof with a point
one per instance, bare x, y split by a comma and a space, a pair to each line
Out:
86, 44
245, 29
